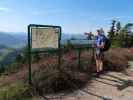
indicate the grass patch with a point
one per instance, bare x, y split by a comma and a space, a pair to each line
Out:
48, 79
116, 59
17, 91
5, 53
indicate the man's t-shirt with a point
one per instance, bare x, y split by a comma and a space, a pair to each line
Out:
99, 40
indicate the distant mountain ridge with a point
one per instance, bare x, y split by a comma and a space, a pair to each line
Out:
13, 40
19, 39
11, 44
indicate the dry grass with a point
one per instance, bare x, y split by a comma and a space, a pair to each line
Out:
48, 79
117, 59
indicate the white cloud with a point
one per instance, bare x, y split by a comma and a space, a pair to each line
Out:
118, 18
4, 9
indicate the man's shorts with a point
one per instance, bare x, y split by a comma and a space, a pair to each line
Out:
99, 55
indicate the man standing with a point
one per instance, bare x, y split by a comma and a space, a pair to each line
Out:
100, 43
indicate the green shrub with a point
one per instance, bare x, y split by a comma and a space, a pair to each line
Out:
18, 91
2, 68
12, 68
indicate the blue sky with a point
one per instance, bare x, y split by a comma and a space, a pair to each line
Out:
75, 16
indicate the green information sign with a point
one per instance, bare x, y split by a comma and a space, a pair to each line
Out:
42, 38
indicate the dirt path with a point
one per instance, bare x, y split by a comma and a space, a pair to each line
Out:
110, 86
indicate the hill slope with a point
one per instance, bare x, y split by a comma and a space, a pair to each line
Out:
13, 40
43, 65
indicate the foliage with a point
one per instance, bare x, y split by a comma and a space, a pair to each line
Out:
5, 52
112, 30
12, 68
17, 91
121, 36
116, 59
2, 68
126, 40
118, 28
36, 57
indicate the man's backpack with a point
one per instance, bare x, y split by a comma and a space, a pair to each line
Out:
107, 44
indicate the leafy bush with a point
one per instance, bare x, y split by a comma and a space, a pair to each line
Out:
117, 59
56, 82
12, 68
49, 79
18, 91
2, 68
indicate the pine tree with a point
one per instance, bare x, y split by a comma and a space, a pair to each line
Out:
112, 30
118, 27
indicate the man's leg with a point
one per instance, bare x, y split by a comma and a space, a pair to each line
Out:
101, 65
101, 61
97, 62
97, 65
